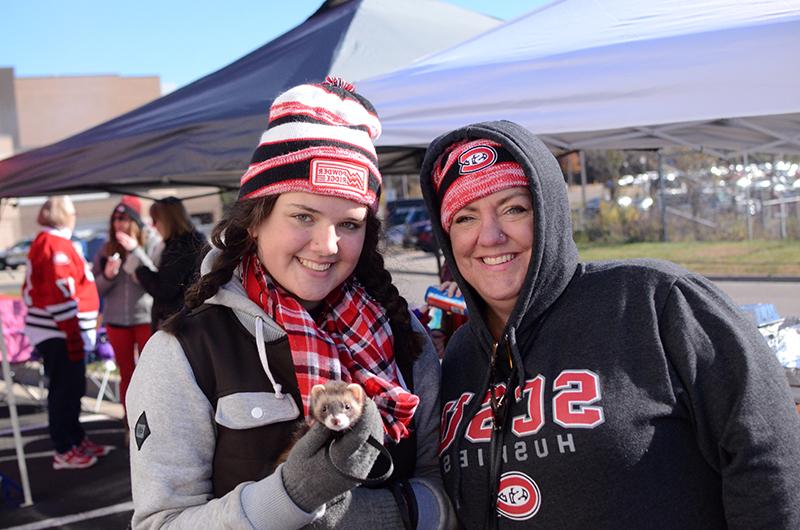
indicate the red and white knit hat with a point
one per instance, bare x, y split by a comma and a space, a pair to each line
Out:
470, 170
319, 140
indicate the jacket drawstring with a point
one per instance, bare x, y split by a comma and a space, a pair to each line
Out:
262, 354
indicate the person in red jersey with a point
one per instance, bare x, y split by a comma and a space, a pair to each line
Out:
62, 301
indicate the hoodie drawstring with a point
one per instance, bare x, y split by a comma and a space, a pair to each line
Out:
516, 357
262, 354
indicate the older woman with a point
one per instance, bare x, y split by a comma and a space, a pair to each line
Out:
62, 301
628, 394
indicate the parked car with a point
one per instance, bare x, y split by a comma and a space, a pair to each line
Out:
426, 241
405, 224
15, 255
397, 211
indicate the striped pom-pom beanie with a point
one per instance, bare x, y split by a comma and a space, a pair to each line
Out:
470, 170
319, 140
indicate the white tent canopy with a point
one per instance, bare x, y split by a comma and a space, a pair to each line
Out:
716, 75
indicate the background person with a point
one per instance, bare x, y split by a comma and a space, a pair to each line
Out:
179, 261
126, 305
62, 302
624, 394
294, 293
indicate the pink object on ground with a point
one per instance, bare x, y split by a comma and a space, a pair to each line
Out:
12, 316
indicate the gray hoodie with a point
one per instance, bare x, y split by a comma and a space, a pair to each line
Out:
171, 471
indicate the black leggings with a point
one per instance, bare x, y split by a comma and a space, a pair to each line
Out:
66, 388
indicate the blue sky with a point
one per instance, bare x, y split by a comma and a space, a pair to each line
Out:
177, 40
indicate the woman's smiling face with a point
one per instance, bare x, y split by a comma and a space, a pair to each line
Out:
492, 241
310, 244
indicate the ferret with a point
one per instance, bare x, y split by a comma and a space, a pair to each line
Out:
336, 404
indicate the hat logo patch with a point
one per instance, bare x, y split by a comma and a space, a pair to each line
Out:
476, 158
518, 497
339, 175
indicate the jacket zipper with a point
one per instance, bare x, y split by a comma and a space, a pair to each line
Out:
499, 410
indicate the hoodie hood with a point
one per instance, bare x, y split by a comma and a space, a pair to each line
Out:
554, 257
233, 296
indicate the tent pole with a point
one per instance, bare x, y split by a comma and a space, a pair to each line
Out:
12, 407
748, 216
583, 190
662, 196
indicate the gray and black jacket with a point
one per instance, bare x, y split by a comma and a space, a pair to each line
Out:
207, 424
642, 397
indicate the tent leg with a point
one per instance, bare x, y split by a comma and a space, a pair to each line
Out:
749, 218
583, 190
12, 407
662, 198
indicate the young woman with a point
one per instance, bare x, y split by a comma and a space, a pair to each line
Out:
293, 294
178, 263
629, 394
126, 305
62, 301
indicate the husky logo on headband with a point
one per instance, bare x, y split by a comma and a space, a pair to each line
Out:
476, 158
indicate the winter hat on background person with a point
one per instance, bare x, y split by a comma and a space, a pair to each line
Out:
133, 202
319, 139
126, 208
470, 170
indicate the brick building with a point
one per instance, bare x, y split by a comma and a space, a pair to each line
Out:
38, 111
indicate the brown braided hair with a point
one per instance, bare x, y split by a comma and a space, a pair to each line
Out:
232, 238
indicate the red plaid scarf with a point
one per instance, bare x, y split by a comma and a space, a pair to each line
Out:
352, 341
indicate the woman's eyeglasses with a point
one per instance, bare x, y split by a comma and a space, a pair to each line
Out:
120, 218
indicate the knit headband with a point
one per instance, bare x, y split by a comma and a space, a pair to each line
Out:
470, 170
319, 140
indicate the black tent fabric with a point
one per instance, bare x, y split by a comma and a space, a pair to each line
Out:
204, 133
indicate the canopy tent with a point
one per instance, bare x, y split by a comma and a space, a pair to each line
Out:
204, 133
715, 75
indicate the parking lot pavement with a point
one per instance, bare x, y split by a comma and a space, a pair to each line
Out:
97, 497
412, 273
11, 281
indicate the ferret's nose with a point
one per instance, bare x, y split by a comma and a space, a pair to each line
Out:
335, 421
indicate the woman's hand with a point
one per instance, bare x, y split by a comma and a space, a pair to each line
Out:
111, 269
127, 242
451, 288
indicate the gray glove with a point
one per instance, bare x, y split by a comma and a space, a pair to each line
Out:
362, 507
308, 476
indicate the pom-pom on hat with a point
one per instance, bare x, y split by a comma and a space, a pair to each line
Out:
470, 170
319, 140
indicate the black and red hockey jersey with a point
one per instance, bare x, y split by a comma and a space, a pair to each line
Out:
59, 290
